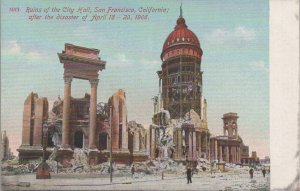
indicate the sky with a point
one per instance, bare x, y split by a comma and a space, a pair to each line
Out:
233, 36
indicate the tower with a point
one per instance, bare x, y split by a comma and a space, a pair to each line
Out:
230, 127
180, 78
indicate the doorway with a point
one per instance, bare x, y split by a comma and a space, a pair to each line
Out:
78, 139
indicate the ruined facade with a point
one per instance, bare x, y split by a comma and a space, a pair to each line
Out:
5, 153
180, 94
253, 159
81, 123
34, 115
227, 148
137, 141
118, 112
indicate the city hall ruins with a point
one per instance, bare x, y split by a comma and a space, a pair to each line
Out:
179, 129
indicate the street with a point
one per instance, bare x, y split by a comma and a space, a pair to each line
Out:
232, 180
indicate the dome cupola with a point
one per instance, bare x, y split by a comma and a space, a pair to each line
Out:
181, 41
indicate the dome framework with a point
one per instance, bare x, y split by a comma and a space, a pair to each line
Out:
181, 76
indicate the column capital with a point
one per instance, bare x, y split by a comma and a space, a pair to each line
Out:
94, 82
68, 79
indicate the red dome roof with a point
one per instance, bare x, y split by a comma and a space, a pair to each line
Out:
181, 35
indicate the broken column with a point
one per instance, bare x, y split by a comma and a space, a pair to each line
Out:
28, 114
41, 114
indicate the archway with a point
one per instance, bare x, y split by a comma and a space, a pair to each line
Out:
103, 141
78, 139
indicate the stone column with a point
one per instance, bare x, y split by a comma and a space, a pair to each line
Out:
200, 144
207, 145
152, 143
66, 112
194, 145
93, 114
221, 153
227, 154
230, 154
216, 149
179, 143
190, 143
233, 154
238, 155
148, 142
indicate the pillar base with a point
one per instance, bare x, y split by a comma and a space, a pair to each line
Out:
43, 171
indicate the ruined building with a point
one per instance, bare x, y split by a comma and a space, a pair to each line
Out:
138, 137
180, 94
230, 147
34, 114
5, 153
77, 122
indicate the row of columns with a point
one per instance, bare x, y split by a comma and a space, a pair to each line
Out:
202, 143
66, 113
233, 151
192, 144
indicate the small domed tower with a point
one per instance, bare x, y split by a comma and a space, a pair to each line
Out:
181, 74
230, 127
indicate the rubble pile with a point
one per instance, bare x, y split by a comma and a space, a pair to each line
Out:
203, 165
143, 168
80, 158
14, 169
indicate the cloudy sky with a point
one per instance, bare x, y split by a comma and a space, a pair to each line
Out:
233, 36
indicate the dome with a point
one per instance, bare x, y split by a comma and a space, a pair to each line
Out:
181, 36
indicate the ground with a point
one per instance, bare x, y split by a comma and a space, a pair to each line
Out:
237, 179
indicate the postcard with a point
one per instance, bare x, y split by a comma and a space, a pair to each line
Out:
146, 95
